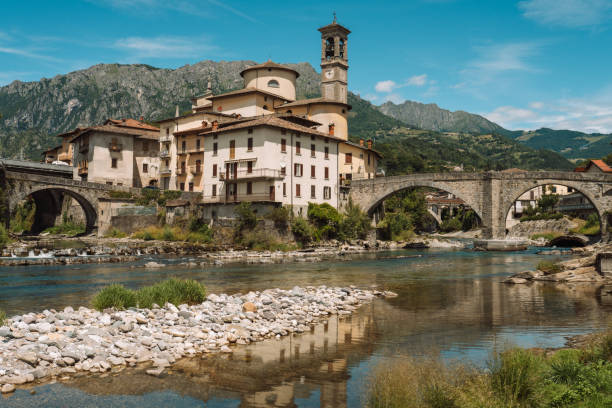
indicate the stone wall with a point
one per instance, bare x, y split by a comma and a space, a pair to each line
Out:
528, 228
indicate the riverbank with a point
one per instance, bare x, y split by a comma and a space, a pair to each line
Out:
39, 347
83, 250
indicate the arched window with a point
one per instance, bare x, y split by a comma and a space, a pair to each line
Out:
341, 48
273, 83
329, 48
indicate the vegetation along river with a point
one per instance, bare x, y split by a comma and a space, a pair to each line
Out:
451, 302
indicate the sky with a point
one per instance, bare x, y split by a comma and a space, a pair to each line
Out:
522, 64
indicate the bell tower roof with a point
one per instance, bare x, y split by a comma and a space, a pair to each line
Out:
334, 27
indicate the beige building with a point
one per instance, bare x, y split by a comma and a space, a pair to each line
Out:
119, 152
357, 161
63, 152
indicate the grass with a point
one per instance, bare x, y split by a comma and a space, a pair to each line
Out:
549, 236
2, 317
200, 234
515, 378
115, 233
175, 291
120, 194
590, 226
548, 267
67, 228
260, 240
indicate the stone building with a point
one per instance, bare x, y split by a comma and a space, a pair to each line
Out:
119, 152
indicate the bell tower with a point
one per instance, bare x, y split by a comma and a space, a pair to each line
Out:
334, 61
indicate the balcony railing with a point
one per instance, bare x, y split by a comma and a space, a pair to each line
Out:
165, 139
222, 199
115, 147
165, 171
164, 153
253, 174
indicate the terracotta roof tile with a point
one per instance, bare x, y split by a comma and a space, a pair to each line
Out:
132, 123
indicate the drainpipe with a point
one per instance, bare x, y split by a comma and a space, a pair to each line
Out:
291, 171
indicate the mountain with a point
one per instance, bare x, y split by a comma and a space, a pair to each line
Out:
574, 145
33, 112
431, 117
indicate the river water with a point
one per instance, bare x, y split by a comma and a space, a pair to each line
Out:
450, 302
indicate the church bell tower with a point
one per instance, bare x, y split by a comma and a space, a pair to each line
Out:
334, 61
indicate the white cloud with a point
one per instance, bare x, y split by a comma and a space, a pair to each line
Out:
385, 86
505, 57
26, 53
164, 47
536, 105
371, 97
417, 80
506, 116
568, 13
394, 97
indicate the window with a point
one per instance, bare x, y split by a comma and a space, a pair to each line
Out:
183, 146
232, 146
250, 130
284, 189
114, 163
198, 143
283, 145
312, 137
312, 171
273, 83
182, 187
298, 148
250, 144
283, 132
327, 152
167, 131
348, 158
109, 183
214, 190
368, 159
190, 186
145, 146
249, 167
297, 191
297, 169
145, 168
326, 193
249, 188
198, 166
312, 150
327, 173
313, 192
283, 171
215, 145
214, 170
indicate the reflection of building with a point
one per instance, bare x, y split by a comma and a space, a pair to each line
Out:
119, 152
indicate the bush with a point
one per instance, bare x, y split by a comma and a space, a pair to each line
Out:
4, 237
2, 317
548, 267
549, 236
396, 226
247, 219
67, 228
302, 230
451, 224
115, 233
115, 296
280, 216
120, 194
22, 218
326, 219
540, 216
148, 196
565, 367
515, 376
355, 223
165, 233
173, 291
168, 195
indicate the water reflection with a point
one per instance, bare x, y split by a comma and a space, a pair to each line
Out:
451, 302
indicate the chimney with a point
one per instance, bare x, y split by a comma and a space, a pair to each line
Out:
370, 144
331, 129
361, 142
215, 125
176, 115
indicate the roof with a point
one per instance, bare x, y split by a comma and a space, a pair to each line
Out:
195, 114
110, 127
131, 123
514, 170
335, 26
52, 149
598, 163
271, 65
313, 101
71, 132
273, 121
246, 91
357, 145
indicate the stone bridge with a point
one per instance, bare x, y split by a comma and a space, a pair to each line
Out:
489, 194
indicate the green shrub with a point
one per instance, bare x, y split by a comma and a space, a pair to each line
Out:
515, 376
451, 224
326, 219
168, 195
549, 236
280, 216
548, 267
396, 226
4, 237
175, 291
22, 218
120, 194
69, 228
148, 196
565, 367
247, 219
115, 233
2, 317
302, 230
355, 223
115, 296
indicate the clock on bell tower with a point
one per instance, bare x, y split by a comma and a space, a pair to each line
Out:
334, 61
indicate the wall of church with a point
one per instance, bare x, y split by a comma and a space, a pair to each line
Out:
244, 105
261, 79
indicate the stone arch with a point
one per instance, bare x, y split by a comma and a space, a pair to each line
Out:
48, 203
514, 192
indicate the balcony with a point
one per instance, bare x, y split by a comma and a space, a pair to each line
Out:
165, 139
181, 171
195, 170
262, 174
269, 198
115, 147
195, 150
164, 154
165, 171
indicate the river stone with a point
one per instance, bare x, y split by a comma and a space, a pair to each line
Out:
28, 356
249, 307
7, 388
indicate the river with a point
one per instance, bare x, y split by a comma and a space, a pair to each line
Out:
450, 302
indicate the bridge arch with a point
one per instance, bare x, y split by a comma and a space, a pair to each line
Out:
512, 194
48, 200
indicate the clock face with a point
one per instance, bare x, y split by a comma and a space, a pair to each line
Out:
329, 73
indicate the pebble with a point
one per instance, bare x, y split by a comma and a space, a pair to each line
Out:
51, 344
7, 388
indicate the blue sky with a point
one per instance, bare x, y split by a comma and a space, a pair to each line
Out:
523, 64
